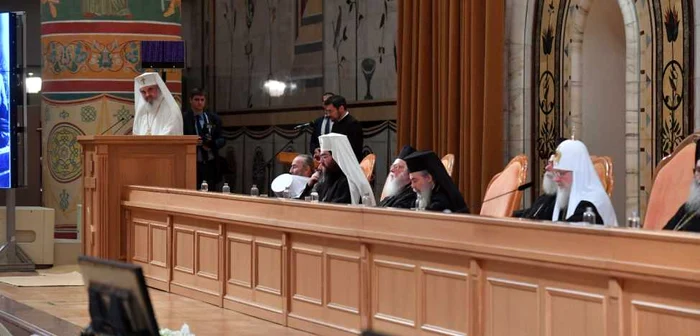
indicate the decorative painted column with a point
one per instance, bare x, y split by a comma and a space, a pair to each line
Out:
91, 53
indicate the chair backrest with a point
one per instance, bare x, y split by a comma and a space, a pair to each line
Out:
671, 184
604, 167
512, 176
367, 166
449, 162
286, 158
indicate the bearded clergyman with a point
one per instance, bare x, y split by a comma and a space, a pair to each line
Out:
543, 206
342, 179
688, 216
399, 193
579, 187
157, 112
433, 184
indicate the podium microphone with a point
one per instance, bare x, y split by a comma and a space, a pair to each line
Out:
126, 121
115, 124
303, 125
519, 188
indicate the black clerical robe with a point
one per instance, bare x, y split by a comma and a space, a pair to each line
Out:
542, 209
334, 189
350, 127
577, 216
440, 201
405, 199
684, 221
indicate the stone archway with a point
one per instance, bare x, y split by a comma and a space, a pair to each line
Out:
573, 123
652, 28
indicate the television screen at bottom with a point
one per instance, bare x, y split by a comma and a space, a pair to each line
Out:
5, 100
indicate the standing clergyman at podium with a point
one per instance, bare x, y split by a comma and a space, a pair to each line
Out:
157, 112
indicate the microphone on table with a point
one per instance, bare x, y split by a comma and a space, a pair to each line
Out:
519, 188
126, 120
303, 125
115, 124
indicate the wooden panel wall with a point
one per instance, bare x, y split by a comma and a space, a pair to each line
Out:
338, 281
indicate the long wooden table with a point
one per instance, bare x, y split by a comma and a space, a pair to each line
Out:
333, 269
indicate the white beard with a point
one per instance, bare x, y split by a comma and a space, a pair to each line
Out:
693, 203
394, 185
549, 187
563, 197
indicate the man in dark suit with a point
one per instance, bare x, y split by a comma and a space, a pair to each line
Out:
322, 125
344, 123
206, 125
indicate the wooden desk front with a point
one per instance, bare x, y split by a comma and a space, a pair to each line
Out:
340, 269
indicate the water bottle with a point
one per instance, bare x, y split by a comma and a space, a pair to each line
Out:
205, 186
226, 189
254, 191
589, 216
286, 193
314, 196
633, 221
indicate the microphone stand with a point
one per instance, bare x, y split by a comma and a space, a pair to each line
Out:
268, 166
113, 125
126, 121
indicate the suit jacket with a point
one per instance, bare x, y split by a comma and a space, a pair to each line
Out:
217, 142
353, 130
313, 143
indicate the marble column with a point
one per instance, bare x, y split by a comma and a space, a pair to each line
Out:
90, 55
518, 82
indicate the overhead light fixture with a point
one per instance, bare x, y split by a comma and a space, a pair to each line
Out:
274, 87
32, 84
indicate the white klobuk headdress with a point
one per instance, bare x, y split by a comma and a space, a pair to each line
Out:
572, 155
343, 154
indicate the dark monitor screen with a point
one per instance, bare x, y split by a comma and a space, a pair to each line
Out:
119, 300
163, 54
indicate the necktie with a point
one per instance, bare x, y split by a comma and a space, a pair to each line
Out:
198, 124
328, 125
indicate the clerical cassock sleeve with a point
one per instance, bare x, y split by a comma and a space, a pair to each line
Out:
337, 191
405, 199
439, 202
683, 221
541, 209
307, 192
581, 209
520, 213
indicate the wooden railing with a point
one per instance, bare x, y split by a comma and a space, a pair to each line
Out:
332, 269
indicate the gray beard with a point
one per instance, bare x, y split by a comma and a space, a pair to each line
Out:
563, 197
153, 102
425, 195
549, 187
692, 205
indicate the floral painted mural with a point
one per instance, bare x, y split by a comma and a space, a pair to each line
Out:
90, 55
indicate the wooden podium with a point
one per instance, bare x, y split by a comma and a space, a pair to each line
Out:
113, 161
